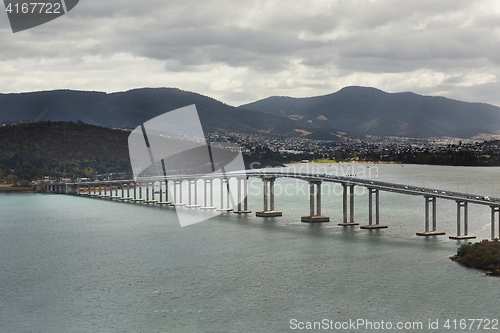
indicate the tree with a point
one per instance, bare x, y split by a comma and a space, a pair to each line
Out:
12, 179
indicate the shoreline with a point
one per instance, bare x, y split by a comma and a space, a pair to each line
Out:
11, 189
391, 163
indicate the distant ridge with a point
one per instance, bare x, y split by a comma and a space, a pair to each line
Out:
353, 110
133, 107
370, 111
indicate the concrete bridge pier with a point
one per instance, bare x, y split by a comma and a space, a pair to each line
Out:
68, 189
377, 225
111, 196
150, 198
315, 217
345, 223
147, 194
128, 197
271, 212
105, 195
245, 196
192, 201
129, 186
494, 211
428, 232
466, 235
175, 202
122, 187
118, 186
166, 202
138, 190
224, 184
128, 191
208, 194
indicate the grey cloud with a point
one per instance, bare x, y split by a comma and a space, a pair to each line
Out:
269, 38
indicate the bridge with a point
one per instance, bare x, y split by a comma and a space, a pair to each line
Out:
132, 190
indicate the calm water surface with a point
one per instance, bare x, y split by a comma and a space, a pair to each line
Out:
75, 264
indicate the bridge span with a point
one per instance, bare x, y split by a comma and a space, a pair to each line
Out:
174, 185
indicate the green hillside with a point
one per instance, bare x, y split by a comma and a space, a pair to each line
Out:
33, 150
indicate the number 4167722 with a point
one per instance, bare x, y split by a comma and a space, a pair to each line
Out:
34, 8
469, 324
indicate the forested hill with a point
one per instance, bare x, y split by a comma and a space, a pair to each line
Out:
132, 108
62, 148
67, 149
370, 111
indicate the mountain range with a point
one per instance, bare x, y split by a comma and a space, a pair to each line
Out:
132, 108
370, 111
356, 110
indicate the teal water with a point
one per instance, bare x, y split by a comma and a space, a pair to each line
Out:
76, 264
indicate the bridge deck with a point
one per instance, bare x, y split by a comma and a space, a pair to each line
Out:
383, 186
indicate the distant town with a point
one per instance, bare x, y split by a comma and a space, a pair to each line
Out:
442, 150
33, 152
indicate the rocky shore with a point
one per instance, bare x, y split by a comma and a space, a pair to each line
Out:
484, 255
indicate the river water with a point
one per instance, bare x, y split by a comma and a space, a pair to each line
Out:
77, 264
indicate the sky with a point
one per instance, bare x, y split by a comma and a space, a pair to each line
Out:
242, 51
